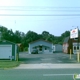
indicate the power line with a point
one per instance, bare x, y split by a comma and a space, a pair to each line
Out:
42, 19
41, 6
41, 10
37, 7
39, 14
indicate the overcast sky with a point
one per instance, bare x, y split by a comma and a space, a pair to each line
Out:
55, 25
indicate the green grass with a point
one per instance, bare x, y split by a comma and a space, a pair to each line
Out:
9, 64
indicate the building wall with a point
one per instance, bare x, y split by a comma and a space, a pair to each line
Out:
58, 48
40, 43
47, 50
76, 47
13, 48
65, 48
70, 46
71, 41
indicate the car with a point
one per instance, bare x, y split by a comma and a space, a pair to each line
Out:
35, 51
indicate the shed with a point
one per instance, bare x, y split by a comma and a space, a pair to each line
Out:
8, 50
57, 48
42, 46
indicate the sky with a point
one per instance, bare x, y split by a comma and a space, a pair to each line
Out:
40, 15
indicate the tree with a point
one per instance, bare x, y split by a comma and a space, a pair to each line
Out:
17, 36
29, 37
45, 35
65, 34
25, 39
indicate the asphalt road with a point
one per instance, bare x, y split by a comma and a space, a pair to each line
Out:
38, 74
47, 58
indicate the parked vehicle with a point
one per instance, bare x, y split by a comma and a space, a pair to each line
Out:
35, 51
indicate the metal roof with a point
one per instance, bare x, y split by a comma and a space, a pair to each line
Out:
40, 40
66, 40
8, 42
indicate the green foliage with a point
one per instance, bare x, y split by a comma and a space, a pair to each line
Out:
26, 49
8, 64
26, 38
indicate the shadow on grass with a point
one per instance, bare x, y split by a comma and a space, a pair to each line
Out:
9, 64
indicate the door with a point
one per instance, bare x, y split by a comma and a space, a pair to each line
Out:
5, 51
40, 50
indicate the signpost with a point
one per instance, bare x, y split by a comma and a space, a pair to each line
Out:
70, 53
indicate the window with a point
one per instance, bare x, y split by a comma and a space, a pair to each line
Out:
40, 49
74, 47
77, 47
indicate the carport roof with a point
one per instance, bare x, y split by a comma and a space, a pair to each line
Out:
40, 40
57, 44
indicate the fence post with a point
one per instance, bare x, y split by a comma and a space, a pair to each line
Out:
77, 56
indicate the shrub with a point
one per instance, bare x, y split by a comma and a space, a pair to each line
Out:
26, 49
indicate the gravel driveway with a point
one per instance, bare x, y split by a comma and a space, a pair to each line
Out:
46, 58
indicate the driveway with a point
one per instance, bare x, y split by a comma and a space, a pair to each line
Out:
46, 58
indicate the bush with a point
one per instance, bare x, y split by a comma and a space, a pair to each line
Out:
26, 49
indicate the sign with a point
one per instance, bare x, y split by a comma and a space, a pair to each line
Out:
76, 76
74, 33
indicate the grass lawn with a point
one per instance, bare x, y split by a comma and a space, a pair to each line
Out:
9, 64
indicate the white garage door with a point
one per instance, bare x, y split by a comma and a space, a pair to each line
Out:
5, 51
